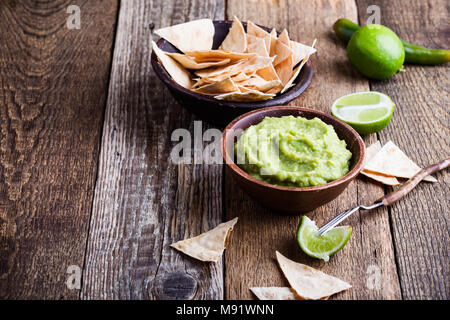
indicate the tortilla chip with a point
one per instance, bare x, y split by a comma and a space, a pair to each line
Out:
259, 84
228, 70
281, 52
384, 179
273, 41
284, 38
240, 77
284, 71
371, 151
243, 89
208, 246
246, 66
309, 283
212, 55
251, 95
273, 33
204, 81
294, 75
296, 71
175, 70
391, 161
254, 30
257, 45
268, 41
300, 51
236, 40
268, 73
274, 293
274, 90
193, 35
220, 87
189, 62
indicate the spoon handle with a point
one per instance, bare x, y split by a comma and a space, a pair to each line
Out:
396, 195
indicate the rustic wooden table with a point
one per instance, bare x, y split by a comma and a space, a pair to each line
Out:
86, 180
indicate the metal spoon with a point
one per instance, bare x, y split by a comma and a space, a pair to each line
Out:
388, 199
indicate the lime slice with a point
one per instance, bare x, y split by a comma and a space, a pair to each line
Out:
321, 247
366, 112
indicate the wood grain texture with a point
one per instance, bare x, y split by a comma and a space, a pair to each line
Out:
420, 127
143, 202
250, 259
53, 84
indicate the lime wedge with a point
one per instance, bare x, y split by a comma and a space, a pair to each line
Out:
366, 112
321, 247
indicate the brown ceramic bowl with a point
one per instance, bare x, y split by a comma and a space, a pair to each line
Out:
288, 199
222, 112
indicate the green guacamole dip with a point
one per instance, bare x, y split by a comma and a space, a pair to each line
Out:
292, 151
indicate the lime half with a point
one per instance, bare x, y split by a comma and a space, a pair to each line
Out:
321, 247
366, 112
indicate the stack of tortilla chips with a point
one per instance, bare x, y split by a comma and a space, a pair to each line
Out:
248, 66
306, 283
386, 164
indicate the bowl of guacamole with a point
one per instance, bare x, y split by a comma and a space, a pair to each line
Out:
292, 159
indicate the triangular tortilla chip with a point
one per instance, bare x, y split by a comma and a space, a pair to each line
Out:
189, 62
257, 45
208, 246
281, 52
391, 161
229, 70
246, 66
274, 293
243, 89
300, 51
296, 71
251, 95
384, 179
284, 38
309, 283
273, 41
236, 40
176, 71
371, 151
193, 35
224, 86
268, 42
284, 71
273, 33
268, 73
240, 77
295, 74
213, 55
254, 30
258, 83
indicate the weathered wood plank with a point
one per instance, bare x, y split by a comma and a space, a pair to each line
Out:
250, 257
143, 202
420, 127
53, 84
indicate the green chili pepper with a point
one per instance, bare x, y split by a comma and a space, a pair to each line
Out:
344, 29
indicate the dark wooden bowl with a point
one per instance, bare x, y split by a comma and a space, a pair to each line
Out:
222, 112
288, 199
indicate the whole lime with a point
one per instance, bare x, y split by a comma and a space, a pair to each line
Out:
376, 51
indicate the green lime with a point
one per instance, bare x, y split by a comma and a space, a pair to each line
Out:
366, 112
321, 247
376, 51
